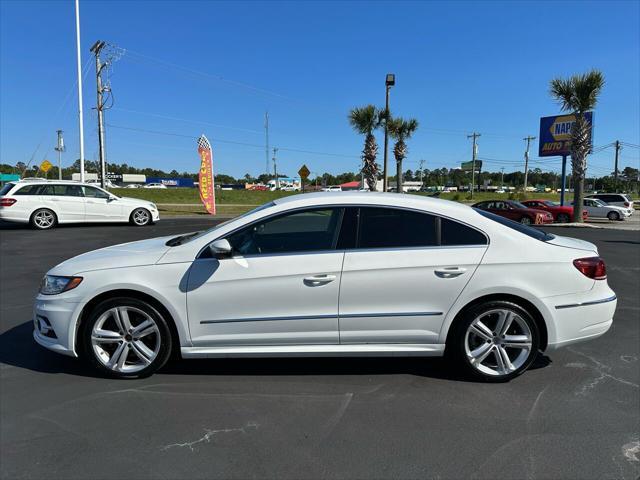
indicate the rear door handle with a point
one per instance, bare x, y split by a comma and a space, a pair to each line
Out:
318, 280
449, 272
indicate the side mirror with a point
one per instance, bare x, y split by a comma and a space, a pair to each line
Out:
112, 199
221, 248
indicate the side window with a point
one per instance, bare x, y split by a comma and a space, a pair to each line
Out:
389, 228
299, 231
29, 190
73, 191
53, 190
94, 192
455, 233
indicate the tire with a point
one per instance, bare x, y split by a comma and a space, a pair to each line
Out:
562, 218
125, 338
525, 220
613, 216
472, 337
140, 217
43, 219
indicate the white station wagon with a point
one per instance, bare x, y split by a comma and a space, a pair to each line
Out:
44, 204
331, 274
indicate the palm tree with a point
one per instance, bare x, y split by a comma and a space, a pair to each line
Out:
578, 94
365, 120
401, 130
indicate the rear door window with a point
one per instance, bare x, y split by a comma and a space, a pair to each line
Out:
455, 233
392, 228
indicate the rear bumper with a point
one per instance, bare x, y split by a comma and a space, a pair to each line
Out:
578, 318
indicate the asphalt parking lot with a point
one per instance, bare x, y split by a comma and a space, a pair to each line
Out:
575, 415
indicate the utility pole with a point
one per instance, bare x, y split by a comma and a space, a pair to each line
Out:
266, 138
80, 119
502, 178
615, 171
526, 160
474, 135
390, 81
60, 148
421, 173
95, 49
275, 168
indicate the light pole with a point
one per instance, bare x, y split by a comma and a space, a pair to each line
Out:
389, 82
60, 148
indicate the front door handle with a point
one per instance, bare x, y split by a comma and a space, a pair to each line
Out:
449, 272
317, 280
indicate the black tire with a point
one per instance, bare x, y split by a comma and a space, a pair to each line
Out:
38, 217
613, 216
456, 349
99, 361
140, 217
526, 220
562, 218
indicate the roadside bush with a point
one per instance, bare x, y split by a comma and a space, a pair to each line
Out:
456, 197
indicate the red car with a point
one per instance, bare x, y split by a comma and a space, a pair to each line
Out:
561, 214
515, 211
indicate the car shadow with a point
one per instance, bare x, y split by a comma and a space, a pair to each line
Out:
18, 349
25, 226
630, 242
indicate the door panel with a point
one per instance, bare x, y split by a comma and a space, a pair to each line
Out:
66, 200
265, 299
100, 208
403, 295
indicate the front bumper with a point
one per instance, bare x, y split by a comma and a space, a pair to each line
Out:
56, 313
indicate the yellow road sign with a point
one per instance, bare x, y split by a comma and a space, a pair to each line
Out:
304, 172
45, 166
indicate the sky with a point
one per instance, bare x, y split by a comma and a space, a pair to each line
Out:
183, 68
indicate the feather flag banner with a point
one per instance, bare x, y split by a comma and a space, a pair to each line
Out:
205, 176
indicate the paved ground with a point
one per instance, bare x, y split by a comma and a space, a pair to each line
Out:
576, 415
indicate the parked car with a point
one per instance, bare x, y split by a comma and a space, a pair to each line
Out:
331, 275
154, 185
501, 191
290, 188
598, 209
515, 211
333, 188
617, 199
133, 185
44, 204
108, 183
561, 213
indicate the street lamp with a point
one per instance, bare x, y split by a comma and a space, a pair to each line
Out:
60, 148
389, 82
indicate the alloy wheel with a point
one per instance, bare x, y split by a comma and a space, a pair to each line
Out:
125, 339
44, 219
525, 221
141, 217
498, 342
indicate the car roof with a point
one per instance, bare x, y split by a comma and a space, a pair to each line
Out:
355, 197
26, 181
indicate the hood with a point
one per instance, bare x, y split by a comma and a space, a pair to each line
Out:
573, 243
133, 254
133, 201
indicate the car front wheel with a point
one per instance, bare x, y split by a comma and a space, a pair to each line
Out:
525, 221
563, 218
494, 342
126, 338
140, 217
613, 216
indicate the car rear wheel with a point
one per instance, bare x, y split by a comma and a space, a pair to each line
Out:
613, 216
126, 338
494, 341
140, 217
562, 218
43, 219
525, 221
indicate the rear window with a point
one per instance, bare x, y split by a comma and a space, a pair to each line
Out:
29, 190
6, 187
524, 229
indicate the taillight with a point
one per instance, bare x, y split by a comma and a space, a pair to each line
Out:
626, 204
7, 202
592, 267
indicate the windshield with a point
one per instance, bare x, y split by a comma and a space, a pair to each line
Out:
549, 203
518, 227
599, 202
188, 237
518, 204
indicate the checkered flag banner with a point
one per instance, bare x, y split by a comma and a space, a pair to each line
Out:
205, 175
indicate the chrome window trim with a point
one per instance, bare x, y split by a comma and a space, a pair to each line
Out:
585, 304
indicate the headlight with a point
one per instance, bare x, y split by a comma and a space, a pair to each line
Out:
52, 284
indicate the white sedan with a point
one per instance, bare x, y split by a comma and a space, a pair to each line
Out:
337, 274
598, 209
44, 204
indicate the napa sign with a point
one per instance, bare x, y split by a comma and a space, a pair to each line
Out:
555, 134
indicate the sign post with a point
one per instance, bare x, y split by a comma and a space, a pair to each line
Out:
555, 140
304, 174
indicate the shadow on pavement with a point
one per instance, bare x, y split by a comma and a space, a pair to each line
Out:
18, 349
